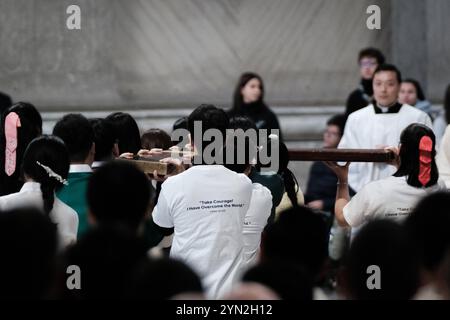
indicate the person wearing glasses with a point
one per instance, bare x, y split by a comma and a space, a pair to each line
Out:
368, 59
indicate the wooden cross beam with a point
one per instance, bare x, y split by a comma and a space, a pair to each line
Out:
149, 164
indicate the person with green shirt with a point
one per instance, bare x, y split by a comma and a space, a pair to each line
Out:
78, 136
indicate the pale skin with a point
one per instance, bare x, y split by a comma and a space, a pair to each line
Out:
367, 67
251, 92
386, 88
342, 193
408, 94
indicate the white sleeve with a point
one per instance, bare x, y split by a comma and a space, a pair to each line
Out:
161, 213
359, 208
427, 121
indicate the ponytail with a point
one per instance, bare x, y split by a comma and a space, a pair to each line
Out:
48, 196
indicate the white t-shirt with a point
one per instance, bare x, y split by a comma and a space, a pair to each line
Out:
255, 221
30, 195
390, 198
366, 129
443, 158
206, 205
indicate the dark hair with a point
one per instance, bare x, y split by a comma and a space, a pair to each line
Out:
389, 67
106, 256
126, 131
78, 135
119, 193
5, 102
447, 104
338, 120
428, 229
409, 155
28, 243
162, 279
372, 53
381, 243
210, 117
156, 138
289, 281
290, 181
298, 236
30, 128
51, 152
242, 122
104, 139
238, 100
416, 84
181, 123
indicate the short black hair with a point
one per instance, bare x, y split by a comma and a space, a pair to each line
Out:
28, 244
118, 192
156, 138
338, 120
299, 236
78, 135
162, 279
126, 132
389, 67
447, 104
104, 139
372, 53
384, 244
5, 102
289, 281
428, 229
210, 117
106, 256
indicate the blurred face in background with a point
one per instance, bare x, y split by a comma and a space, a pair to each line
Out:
251, 92
386, 88
331, 136
408, 94
367, 67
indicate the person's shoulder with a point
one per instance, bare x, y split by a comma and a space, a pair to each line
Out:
63, 208
406, 108
261, 190
361, 113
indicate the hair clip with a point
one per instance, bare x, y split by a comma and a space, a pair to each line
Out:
53, 174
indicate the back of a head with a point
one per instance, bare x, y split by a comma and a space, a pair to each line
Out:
427, 227
288, 280
410, 155
159, 279
118, 192
372, 53
5, 102
30, 128
104, 139
126, 131
44, 160
106, 257
28, 244
156, 138
206, 117
78, 135
298, 236
381, 246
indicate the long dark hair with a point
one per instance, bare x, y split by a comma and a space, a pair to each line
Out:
126, 131
419, 91
409, 155
238, 100
30, 128
447, 104
51, 152
290, 181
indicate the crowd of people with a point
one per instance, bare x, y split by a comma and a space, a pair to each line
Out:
229, 229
